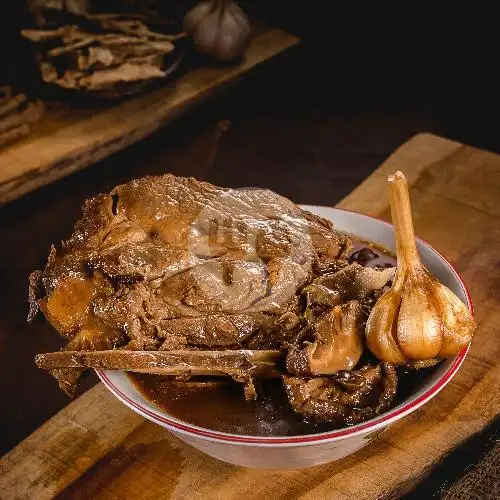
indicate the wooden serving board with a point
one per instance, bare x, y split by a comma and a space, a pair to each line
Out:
68, 139
97, 448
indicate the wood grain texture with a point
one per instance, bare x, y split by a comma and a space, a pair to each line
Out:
66, 446
68, 140
453, 189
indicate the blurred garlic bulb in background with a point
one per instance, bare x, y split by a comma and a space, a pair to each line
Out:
418, 318
219, 28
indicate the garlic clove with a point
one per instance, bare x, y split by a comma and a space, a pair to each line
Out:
431, 321
368, 279
199, 12
381, 327
219, 28
419, 328
458, 323
238, 14
233, 35
206, 33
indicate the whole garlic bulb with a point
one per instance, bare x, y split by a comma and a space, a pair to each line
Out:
418, 318
219, 28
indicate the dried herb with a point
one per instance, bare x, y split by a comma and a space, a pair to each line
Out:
101, 52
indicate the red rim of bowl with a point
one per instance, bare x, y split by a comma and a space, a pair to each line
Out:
378, 422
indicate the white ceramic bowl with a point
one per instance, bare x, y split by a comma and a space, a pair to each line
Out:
296, 452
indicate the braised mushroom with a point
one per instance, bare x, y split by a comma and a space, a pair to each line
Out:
333, 342
344, 398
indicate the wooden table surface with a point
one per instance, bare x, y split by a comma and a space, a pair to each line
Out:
68, 139
97, 448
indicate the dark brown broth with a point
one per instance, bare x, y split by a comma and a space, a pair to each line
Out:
221, 406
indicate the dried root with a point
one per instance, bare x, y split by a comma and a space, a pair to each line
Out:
17, 114
101, 52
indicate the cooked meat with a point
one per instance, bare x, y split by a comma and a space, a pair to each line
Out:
277, 332
217, 285
355, 282
164, 262
34, 291
327, 265
346, 397
213, 330
350, 282
333, 342
319, 298
94, 336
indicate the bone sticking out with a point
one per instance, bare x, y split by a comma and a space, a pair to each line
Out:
265, 363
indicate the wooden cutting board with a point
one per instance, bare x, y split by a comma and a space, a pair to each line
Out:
68, 139
97, 448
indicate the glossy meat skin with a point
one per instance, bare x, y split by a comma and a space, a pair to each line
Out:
164, 262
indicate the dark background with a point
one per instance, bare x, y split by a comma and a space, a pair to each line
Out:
310, 124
